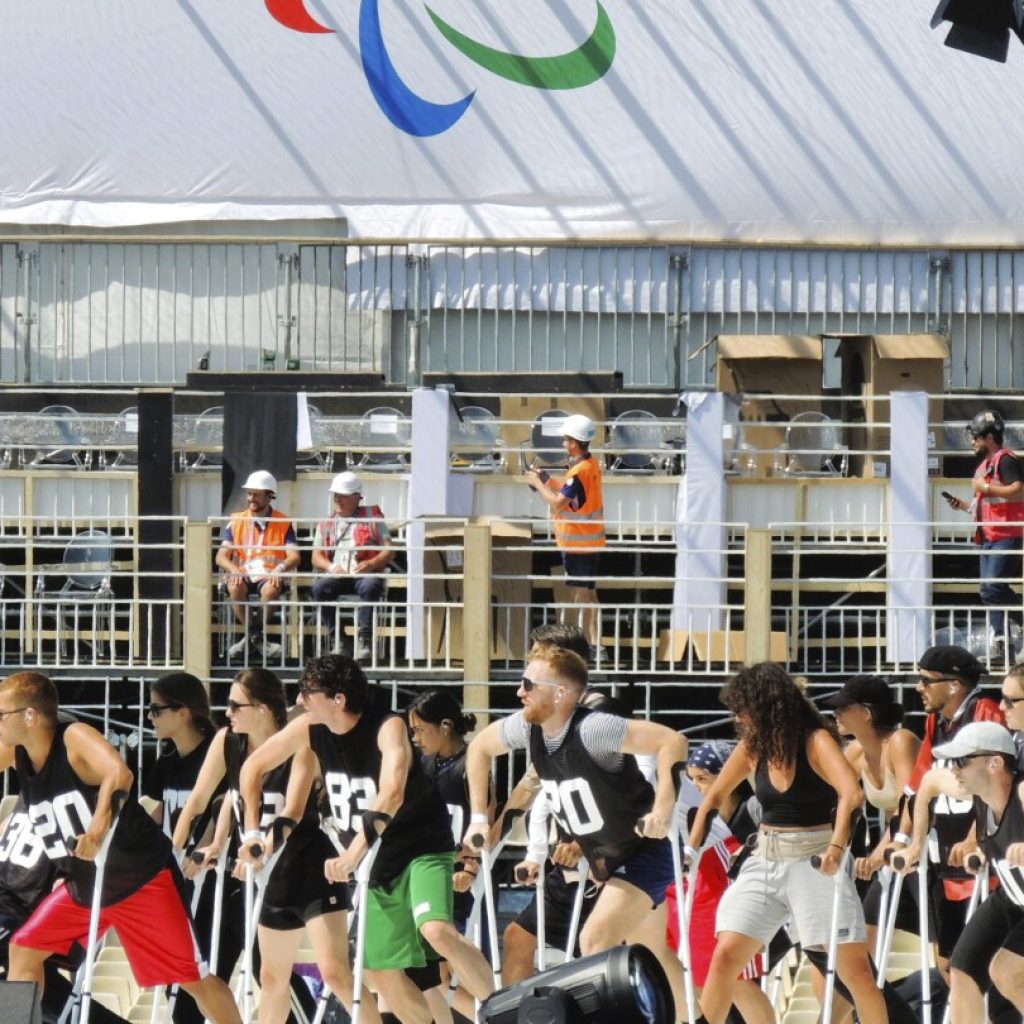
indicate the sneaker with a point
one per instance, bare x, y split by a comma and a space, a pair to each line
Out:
997, 652
362, 651
238, 648
600, 655
271, 651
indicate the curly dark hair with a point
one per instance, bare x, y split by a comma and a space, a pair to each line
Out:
779, 713
338, 673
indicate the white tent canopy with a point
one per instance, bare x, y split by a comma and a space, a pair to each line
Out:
841, 121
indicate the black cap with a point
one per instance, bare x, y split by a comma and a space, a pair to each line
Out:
860, 690
987, 422
949, 660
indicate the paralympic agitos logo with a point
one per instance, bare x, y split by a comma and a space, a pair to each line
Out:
418, 116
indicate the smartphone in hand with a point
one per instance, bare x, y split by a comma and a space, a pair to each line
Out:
953, 501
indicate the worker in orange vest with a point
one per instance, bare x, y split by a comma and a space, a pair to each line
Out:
577, 509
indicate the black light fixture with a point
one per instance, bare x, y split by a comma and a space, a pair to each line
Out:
981, 27
623, 985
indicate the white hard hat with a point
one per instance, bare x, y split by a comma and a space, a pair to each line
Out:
579, 427
260, 480
346, 483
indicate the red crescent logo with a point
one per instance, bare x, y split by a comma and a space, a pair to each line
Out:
293, 14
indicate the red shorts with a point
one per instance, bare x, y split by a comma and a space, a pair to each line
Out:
153, 925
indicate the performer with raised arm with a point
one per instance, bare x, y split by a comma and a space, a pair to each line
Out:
368, 764
598, 795
808, 795
68, 775
980, 765
296, 895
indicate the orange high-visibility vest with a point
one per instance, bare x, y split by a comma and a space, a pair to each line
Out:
582, 529
252, 547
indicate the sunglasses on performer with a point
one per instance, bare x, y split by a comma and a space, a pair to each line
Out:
961, 762
528, 684
237, 705
156, 710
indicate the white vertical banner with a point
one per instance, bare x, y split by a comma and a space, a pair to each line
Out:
909, 563
434, 491
699, 595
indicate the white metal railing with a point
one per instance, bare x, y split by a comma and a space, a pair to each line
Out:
76, 593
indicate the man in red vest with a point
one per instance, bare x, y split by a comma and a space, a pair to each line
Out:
998, 508
352, 549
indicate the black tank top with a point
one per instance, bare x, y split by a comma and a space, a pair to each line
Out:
172, 780
26, 873
994, 844
350, 765
449, 776
809, 800
61, 806
597, 807
274, 793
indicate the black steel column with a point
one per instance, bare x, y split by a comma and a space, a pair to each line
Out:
158, 554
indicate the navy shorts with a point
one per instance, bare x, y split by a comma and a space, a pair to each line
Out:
582, 570
649, 869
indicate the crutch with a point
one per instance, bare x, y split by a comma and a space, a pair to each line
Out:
374, 823
85, 1006
892, 889
978, 892
521, 876
487, 859
684, 896
255, 890
899, 863
583, 869
833, 937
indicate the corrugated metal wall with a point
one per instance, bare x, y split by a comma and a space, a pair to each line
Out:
98, 312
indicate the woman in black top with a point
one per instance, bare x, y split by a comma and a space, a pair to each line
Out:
179, 711
438, 727
808, 793
297, 894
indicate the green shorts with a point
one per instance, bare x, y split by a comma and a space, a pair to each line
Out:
396, 912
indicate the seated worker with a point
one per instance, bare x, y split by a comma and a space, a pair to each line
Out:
258, 550
351, 548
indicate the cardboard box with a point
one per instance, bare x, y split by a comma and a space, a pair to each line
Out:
511, 557
712, 647
518, 412
874, 366
771, 365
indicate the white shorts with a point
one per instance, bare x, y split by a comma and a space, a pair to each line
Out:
770, 892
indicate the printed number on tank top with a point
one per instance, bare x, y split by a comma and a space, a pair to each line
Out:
456, 813
348, 797
573, 805
19, 845
60, 821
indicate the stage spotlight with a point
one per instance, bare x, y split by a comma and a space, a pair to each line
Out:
981, 27
623, 985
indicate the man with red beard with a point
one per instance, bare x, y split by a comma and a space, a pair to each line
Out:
586, 761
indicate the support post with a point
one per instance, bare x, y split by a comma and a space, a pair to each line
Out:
757, 600
198, 599
476, 618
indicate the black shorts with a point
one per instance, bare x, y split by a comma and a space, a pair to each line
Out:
906, 913
996, 924
946, 918
583, 569
559, 896
298, 891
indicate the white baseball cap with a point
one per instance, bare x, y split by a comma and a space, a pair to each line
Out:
978, 738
